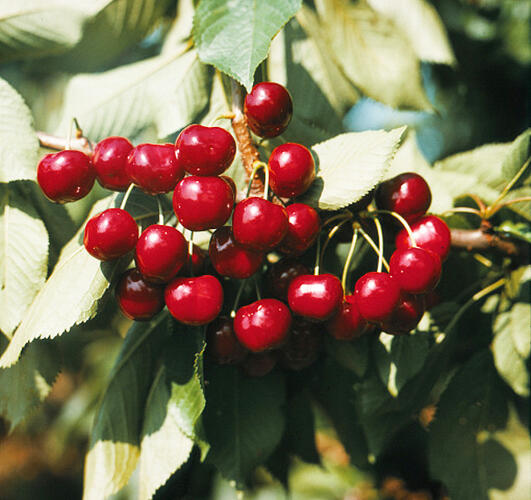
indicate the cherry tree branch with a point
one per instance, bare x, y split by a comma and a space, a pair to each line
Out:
59, 143
480, 239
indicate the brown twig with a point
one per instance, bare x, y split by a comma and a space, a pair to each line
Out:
59, 143
481, 239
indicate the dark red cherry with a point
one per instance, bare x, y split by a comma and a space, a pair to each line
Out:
222, 343
231, 259
262, 325
291, 169
259, 224
303, 228
431, 233
203, 202
259, 364
65, 176
303, 345
109, 159
160, 253
154, 168
204, 150
268, 109
197, 262
416, 270
281, 274
347, 323
231, 183
377, 295
110, 234
406, 315
194, 301
138, 299
316, 297
407, 194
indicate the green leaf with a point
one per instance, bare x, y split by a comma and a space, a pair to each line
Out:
23, 256
350, 165
353, 356
18, 142
520, 230
235, 35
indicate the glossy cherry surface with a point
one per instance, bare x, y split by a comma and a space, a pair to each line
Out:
303, 345
154, 168
303, 228
203, 202
204, 150
109, 159
406, 315
194, 301
262, 325
160, 253
110, 234
431, 233
222, 343
197, 263
315, 297
416, 270
138, 299
347, 323
268, 109
231, 259
377, 295
259, 224
65, 176
291, 169
281, 274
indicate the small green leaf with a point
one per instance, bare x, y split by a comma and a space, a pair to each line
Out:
520, 230
353, 355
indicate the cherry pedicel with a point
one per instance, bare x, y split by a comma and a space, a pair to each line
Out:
416, 270
348, 323
303, 228
281, 274
291, 170
377, 295
194, 301
222, 343
406, 315
110, 234
138, 299
65, 176
109, 159
303, 345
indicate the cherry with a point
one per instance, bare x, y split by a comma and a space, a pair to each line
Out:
110, 234
315, 297
431, 233
282, 273
303, 228
229, 258
303, 345
259, 364
65, 176
291, 169
222, 343
268, 109
198, 262
348, 323
259, 224
154, 168
407, 194
194, 301
231, 183
204, 150
377, 295
406, 315
109, 159
160, 253
262, 325
203, 202
415, 270
137, 298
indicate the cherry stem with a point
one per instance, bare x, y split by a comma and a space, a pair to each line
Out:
495, 208
349, 259
257, 289
346, 215
370, 241
329, 237
380, 243
225, 116
191, 253
494, 286
237, 299
463, 210
126, 196
161, 212
317, 256
402, 221
257, 166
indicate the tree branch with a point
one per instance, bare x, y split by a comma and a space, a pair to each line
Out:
480, 239
59, 143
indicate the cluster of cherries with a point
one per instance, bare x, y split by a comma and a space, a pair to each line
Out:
288, 324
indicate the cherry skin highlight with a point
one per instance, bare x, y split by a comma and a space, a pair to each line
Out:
416, 270
303, 228
377, 295
138, 299
406, 315
291, 170
347, 323
222, 343
109, 159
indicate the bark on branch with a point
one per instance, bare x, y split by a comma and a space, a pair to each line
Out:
60, 143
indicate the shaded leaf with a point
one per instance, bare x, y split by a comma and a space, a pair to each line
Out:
353, 355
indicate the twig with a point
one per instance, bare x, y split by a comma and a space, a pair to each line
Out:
479, 239
59, 143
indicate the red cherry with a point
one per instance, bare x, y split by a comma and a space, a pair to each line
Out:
198, 262
281, 274
110, 234
259, 224
160, 253
154, 168
348, 323
268, 109
229, 258
431, 233
415, 270
262, 325
222, 343
407, 194
231, 183
137, 298
204, 150
259, 364
303, 345
109, 159
65, 176
303, 228
377, 295
315, 297
291, 169
203, 202
194, 301
406, 315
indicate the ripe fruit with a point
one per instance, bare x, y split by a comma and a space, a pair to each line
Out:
281, 274
259, 224
194, 301
315, 297
415, 270
262, 325
406, 315
160, 253
110, 234
204, 150
303, 228
203, 202
348, 323
154, 168
259, 364
198, 262
291, 169
222, 343
431, 233
137, 298
65, 176
109, 159
268, 108
303, 345
377, 295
